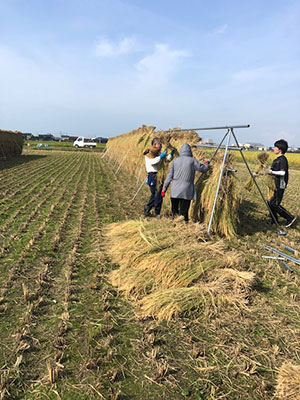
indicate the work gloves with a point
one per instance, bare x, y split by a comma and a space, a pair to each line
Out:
263, 172
163, 154
163, 192
266, 171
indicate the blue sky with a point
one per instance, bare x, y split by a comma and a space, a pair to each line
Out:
101, 68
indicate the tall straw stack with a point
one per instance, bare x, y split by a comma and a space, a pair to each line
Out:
11, 143
169, 269
128, 149
132, 144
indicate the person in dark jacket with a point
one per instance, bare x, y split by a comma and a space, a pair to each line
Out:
280, 171
182, 174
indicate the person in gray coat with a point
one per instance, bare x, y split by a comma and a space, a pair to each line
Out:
182, 174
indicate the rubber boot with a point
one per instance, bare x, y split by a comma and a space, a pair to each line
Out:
147, 210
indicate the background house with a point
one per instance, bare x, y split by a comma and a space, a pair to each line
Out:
47, 137
28, 136
101, 140
255, 146
68, 138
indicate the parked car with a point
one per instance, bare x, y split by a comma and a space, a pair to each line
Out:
84, 142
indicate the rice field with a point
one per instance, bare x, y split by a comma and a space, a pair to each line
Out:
67, 333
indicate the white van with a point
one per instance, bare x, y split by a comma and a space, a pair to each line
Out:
84, 142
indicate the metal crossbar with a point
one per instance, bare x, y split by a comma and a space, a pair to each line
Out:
210, 128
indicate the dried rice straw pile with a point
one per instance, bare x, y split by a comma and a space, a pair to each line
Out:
226, 212
131, 145
169, 269
11, 143
268, 180
288, 382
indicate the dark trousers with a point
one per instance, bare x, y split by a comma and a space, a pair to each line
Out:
181, 207
276, 208
155, 198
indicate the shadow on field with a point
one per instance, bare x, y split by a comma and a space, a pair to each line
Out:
15, 161
253, 218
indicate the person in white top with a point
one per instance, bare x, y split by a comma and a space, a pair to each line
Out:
153, 158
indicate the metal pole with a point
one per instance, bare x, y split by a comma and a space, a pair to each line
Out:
138, 191
220, 179
288, 257
273, 257
287, 267
214, 146
209, 129
285, 246
122, 162
117, 159
220, 144
104, 154
258, 188
110, 156
139, 175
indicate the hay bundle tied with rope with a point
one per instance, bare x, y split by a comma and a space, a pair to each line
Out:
171, 269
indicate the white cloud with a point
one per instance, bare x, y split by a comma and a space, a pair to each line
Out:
250, 74
280, 73
283, 134
107, 48
159, 67
221, 29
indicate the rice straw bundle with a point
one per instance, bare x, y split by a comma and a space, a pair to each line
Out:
288, 382
172, 257
225, 216
268, 179
207, 298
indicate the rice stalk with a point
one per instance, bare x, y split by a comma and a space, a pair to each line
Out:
268, 180
225, 216
288, 382
208, 298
